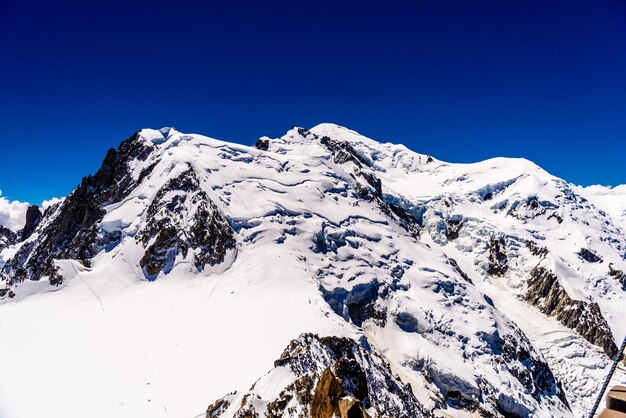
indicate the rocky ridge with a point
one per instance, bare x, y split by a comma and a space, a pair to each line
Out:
7, 237
327, 377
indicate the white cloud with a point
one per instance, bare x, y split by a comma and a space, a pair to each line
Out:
12, 213
50, 202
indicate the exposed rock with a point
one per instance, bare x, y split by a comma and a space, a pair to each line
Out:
343, 152
262, 144
406, 220
181, 218
497, 257
339, 391
351, 408
545, 292
456, 267
454, 224
589, 256
529, 208
536, 250
534, 373
618, 275
556, 216
334, 377
217, 408
7, 237
33, 217
73, 233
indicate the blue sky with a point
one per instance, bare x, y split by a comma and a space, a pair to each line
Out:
461, 80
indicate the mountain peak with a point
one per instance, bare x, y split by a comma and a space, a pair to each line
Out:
489, 288
157, 136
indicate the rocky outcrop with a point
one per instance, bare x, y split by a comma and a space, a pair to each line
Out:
262, 144
531, 370
73, 233
618, 275
454, 225
180, 219
33, 217
331, 377
535, 249
497, 258
339, 391
514, 354
461, 273
545, 292
7, 237
528, 208
342, 152
589, 256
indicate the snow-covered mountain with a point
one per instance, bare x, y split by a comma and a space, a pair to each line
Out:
393, 284
610, 199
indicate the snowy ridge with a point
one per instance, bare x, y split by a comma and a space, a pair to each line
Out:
610, 199
320, 231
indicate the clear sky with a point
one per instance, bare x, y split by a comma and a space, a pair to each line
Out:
461, 80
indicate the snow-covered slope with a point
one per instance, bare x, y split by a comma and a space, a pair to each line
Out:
610, 199
183, 268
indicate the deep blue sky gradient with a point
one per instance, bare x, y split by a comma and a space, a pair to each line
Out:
461, 80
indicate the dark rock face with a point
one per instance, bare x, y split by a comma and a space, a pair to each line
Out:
456, 268
217, 408
545, 292
73, 233
618, 275
335, 377
454, 224
497, 257
33, 217
589, 256
172, 228
532, 372
7, 237
262, 144
406, 220
556, 216
536, 250
529, 208
343, 152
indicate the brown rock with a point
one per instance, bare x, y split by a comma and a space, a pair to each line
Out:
332, 400
326, 397
351, 408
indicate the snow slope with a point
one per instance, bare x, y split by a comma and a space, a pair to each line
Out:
610, 199
335, 234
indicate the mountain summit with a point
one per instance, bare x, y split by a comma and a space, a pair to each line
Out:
317, 274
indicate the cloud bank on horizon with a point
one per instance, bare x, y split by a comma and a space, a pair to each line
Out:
13, 212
